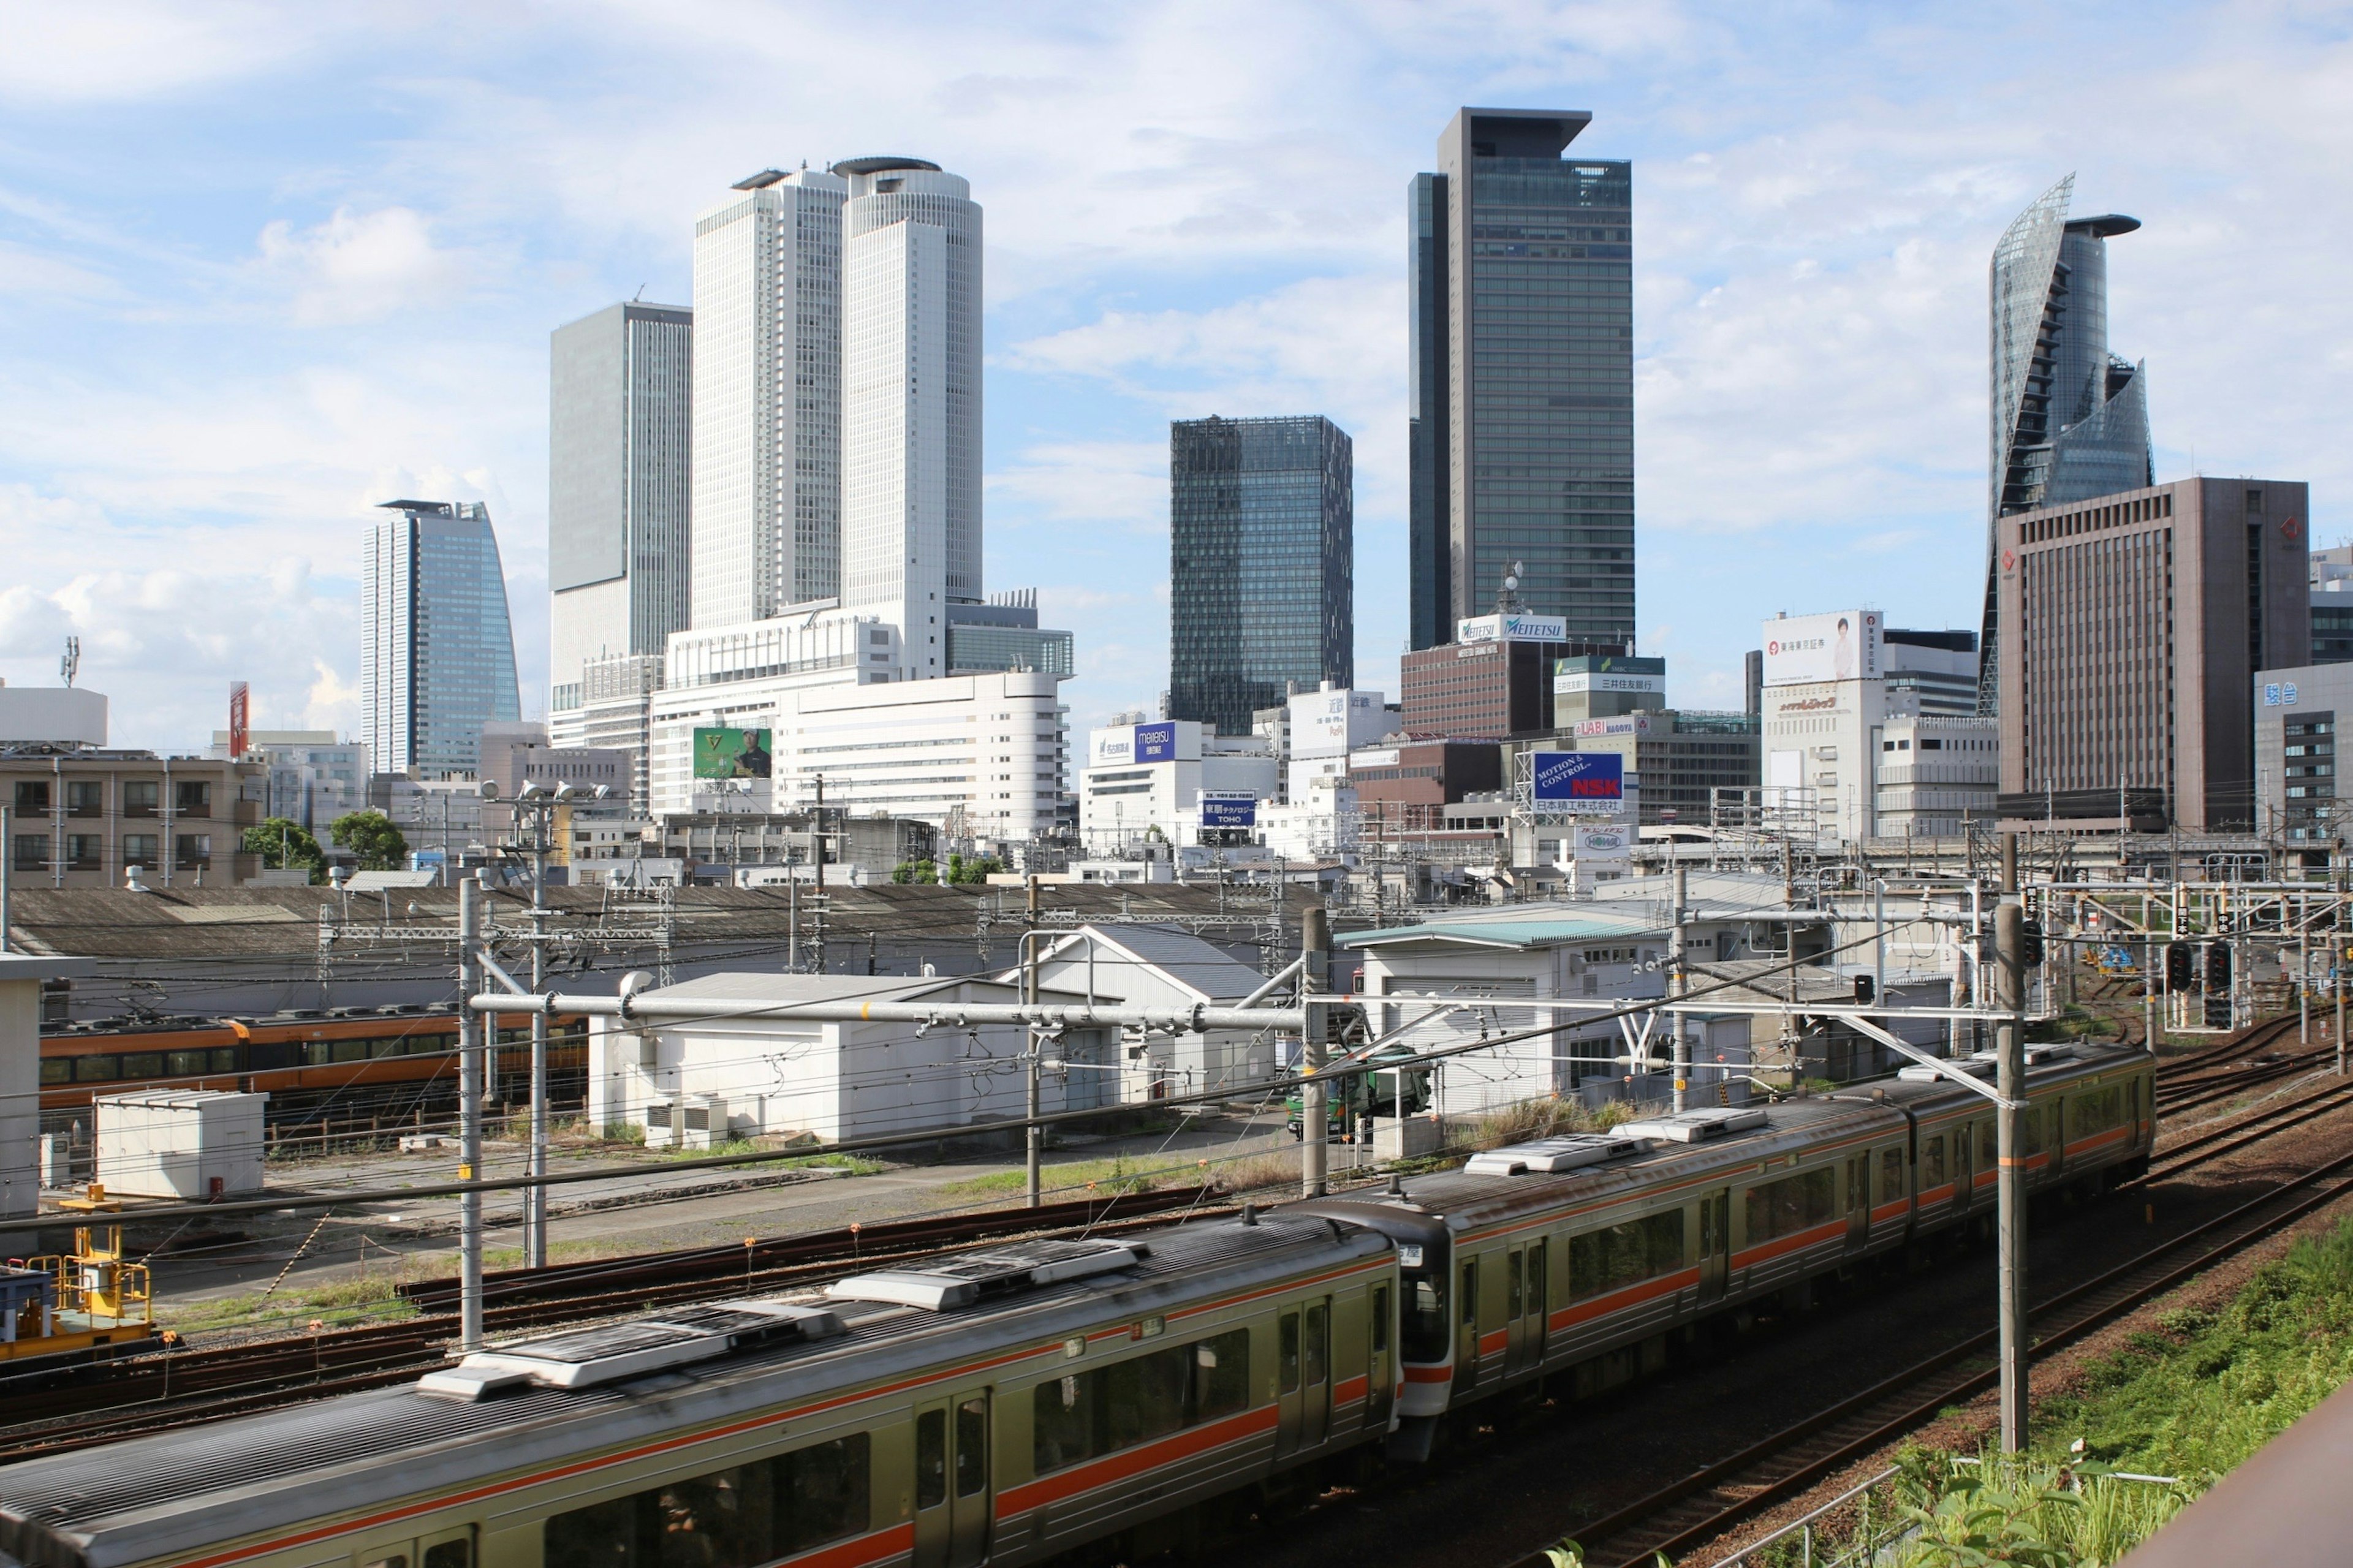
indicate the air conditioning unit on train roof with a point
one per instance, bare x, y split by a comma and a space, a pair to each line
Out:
2036, 1056
1969, 1065
1693, 1126
614, 1353
1549, 1156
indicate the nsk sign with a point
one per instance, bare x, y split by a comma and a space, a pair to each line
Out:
1587, 780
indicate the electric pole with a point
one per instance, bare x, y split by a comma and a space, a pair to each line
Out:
469, 1114
1314, 1118
1034, 1135
2010, 978
1682, 1041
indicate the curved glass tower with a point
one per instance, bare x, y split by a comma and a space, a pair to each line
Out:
2070, 420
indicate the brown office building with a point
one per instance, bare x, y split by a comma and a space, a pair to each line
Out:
2131, 628
1405, 788
1479, 689
83, 818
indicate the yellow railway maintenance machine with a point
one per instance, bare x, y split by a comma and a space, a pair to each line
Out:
89, 1301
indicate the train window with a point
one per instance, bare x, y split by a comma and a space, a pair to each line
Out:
1425, 1317
1319, 1345
1380, 1319
1061, 1424
735, 1518
1286, 1352
1601, 1260
2097, 1112
1792, 1204
1222, 1375
1891, 1174
379, 1049
350, 1050
1135, 1400
396, 1560
144, 1064
971, 1447
449, 1554
1512, 1303
930, 1459
1989, 1147
2029, 1133
315, 1053
1932, 1162
184, 1064
1143, 1396
224, 1058
57, 1069
94, 1069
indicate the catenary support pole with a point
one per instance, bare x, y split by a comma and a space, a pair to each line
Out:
535, 1241
8, 854
1680, 1036
1314, 1117
1034, 1138
2010, 978
469, 1115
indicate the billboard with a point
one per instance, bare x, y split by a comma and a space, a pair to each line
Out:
1229, 811
730, 753
1572, 681
1841, 645
239, 734
1156, 742
1511, 627
1581, 782
1602, 844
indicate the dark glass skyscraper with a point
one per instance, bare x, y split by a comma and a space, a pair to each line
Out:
1521, 268
1261, 565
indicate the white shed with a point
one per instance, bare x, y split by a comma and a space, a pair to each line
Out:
1158, 966
180, 1143
692, 1081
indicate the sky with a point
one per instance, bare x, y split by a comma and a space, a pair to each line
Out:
263, 265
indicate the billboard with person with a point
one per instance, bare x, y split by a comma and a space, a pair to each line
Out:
730, 753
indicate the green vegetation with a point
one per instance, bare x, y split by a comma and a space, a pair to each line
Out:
2072, 1023
907, 871
285, 844
1113, 1175
960, 872
288, 1309
371, 835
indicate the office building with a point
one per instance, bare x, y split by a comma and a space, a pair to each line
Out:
620, 437
1261, 565
2332, 606
314, 776
1520, 289
911, 402
1930, 671
1605, 685
614, 713
2297, 716
84, 817
2070, 420
1683, 758
2133, 626
1319, 731
1403, 790
514, 755
766, 497
1494, 679
437, 649
1937, 774
1140, 779
1004, 634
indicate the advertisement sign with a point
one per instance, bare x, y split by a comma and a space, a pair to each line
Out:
1229, 811
1578, 781
1844, 644
240, 735
730, 753
1624, 724
2276, 694
1513, 627
1608, 845
1570, 681
1156, 742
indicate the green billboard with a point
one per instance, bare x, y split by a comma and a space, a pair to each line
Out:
730, 753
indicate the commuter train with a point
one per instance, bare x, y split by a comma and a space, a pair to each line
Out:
1006, 1405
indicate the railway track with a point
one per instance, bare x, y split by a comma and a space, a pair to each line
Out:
78, 1407
1708, 1502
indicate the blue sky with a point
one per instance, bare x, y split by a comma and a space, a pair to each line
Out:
261, 266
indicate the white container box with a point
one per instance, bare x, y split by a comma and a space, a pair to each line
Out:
181, 1144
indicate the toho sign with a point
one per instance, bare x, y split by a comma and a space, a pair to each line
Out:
1591, 782
1229, 811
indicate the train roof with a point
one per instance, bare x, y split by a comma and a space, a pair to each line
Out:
1920, 1090
178, 1491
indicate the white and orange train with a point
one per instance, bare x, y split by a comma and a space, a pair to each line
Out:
1007, 1405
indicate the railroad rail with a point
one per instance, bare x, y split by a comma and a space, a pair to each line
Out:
1711, 1500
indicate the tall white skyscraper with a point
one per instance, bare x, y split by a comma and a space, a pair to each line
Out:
911, 532
767, 398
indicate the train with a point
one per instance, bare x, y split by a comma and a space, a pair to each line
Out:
1006, 1405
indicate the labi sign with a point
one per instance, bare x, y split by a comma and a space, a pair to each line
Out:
1578, 781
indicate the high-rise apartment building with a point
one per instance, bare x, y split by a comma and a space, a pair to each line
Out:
1261, 565
911, 401
2133, 626
1521, 264
766, 506
437, 648
2332, 606
620, 430
2070, 420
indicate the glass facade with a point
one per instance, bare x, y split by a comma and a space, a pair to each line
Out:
437, 647
2070, 420
1261, 565
1522, 264
972, 649
2332, 629
1431, 612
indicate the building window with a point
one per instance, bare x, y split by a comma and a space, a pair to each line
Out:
32, 851
84, 851
193, 798
139, 797
196, 850
32, 794
139, 849
85, 797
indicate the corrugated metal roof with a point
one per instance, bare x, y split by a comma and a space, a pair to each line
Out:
1521, 928
1193, 963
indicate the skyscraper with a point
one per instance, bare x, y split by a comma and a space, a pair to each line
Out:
1523, 422
1261, 565
619, 438
437, 650
2070, 420
766, 506
911, 401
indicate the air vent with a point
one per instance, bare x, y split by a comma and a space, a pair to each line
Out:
1691, 1126
587, 1357
961, 1280
1972, 1066
2036, 1056
1548, 1156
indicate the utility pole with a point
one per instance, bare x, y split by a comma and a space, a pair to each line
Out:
1034, 1135
9, 858
2303, 973
820, 842
534, 1234
1682, 1041
469, 1115
2010, 976
1314, 1118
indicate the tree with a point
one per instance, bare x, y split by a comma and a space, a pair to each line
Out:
283, 843
371, 835
915, 871
973, 872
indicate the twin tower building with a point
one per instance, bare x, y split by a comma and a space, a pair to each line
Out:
764, 509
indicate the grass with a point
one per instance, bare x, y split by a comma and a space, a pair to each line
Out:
1112, 1175
288, 1309
1544, 1118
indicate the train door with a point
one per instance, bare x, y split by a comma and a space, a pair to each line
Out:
1466, 1328
2132, 1111
1303, 1404
444, 1548
952, 1495
1714, 1246
1857, 1201
1380, 1368
2056, 1138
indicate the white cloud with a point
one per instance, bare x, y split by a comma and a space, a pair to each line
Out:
355, 266
1120, 482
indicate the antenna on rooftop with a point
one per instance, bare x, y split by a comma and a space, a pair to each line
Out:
70, 665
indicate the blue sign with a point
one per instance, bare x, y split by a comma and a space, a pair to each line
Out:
2281, 695
1157, 743
1229, 811
1593, 780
